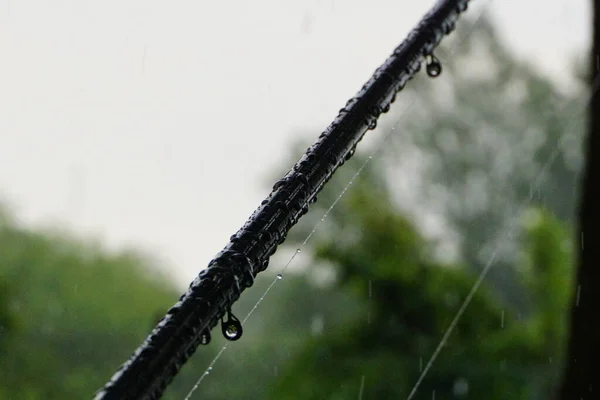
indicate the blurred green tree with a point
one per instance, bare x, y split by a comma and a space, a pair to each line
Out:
478, 147
79, 312
411, 300
491, 134
71, 313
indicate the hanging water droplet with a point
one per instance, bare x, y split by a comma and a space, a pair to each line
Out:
434, 67
232, 328
350, 153
371, 124
279, 276
298, 250
231, 331
205, 338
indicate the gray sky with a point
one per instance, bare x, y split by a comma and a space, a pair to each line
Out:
154, 124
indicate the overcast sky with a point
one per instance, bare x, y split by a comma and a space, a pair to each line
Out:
155, 124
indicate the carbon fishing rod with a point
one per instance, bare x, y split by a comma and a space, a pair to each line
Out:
211, 295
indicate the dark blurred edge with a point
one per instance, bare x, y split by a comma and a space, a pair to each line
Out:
583, 357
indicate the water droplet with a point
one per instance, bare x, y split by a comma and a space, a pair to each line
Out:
205, 339
298, 250
461, 387
231, 331
350, 153
371, 124
317, 324
279, 276
434, 67
232, 328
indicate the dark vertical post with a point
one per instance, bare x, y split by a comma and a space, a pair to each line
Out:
582, 375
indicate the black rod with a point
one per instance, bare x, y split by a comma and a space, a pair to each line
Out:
188, 323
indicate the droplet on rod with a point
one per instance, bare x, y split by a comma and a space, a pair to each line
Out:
434, 67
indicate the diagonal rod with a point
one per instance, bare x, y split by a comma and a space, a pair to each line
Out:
175, 338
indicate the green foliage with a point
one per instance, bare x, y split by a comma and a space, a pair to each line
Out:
490, 134
78, 312
381, 260
481, 160
546, 273
72, 313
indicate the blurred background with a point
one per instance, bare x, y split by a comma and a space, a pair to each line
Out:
136, 137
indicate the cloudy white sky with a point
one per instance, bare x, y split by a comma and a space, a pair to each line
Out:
154, 124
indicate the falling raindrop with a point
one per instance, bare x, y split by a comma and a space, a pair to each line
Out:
461, 387
362, 388
317, 325
502, 320
434, 67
